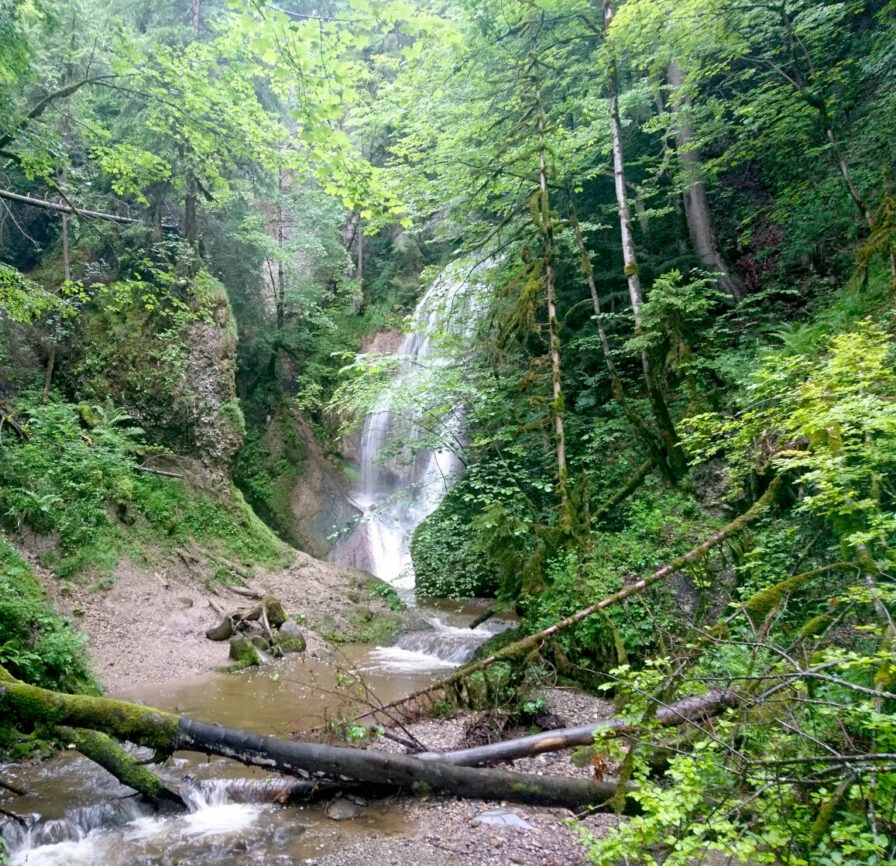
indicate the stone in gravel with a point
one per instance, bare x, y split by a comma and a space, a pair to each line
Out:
502, 818
343, 810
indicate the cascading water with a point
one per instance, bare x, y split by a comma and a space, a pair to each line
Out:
232, 823
398, 488
396, 491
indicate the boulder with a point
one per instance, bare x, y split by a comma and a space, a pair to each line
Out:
290, 639
244, 652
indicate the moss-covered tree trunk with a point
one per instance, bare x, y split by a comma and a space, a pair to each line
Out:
167, 733
675, 459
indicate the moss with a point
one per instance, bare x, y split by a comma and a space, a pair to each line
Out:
290, 644
274, 611
138, 724
232, 415
104, 751
244, 653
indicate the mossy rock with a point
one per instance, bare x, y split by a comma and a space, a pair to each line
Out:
260, 642
275, 612
290, 639
244, 653
291, 645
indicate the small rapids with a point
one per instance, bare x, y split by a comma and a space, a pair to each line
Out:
129, 830
229, 822
441, 647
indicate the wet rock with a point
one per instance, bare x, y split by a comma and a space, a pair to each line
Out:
244, 653
502, 818
343, 810
290, 639
259, 642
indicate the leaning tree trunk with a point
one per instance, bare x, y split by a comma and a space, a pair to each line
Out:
546, 225
532, 642
696, 205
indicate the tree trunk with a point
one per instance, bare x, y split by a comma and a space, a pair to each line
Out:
696, 206
167, 733
675, 458
104, 751
616, 388
547, 229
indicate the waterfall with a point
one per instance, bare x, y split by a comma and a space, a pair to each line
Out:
399, 485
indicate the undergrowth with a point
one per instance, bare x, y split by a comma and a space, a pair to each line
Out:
37, 645
75, 478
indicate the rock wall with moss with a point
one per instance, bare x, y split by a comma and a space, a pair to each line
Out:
293, 484
170, 361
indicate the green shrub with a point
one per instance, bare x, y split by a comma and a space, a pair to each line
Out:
36, 644
76, 476
446, 561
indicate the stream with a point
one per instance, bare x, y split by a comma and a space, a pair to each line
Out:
79, 814
75, 813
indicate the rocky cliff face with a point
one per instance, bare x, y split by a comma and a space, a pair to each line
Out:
290, 480
173, 373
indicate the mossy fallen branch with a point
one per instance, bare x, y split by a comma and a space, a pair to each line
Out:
104, 751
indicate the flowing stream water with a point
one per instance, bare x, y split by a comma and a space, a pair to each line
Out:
77, 814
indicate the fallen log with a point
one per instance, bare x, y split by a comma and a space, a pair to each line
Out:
166, 733
532, 642
690, 709
103, 750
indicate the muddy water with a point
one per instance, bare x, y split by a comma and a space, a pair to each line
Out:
77, 814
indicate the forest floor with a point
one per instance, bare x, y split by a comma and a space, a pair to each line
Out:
146, 626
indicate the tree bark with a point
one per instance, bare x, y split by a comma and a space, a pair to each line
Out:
167, 733
61, 208
696, 205
689, 709
104, 751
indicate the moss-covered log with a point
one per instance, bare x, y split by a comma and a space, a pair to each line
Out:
104, 751
167, 733
144, 726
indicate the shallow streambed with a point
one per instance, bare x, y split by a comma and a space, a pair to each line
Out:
78, 814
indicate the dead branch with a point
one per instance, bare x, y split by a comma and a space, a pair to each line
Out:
687, 710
